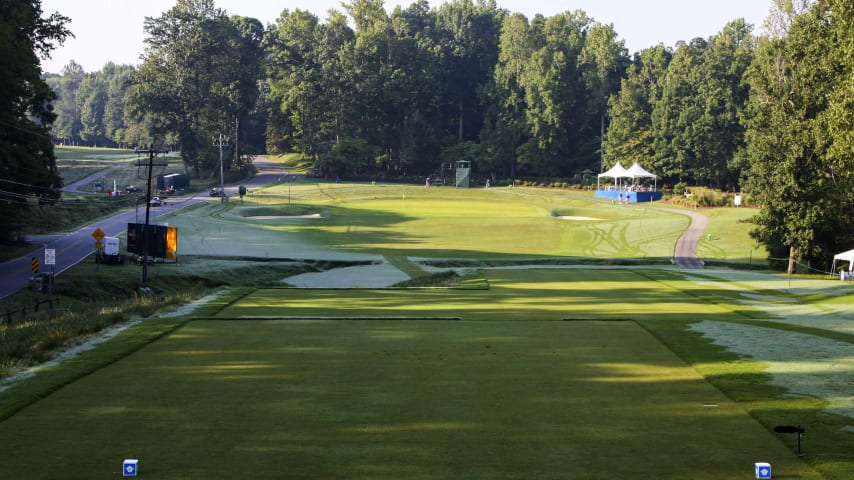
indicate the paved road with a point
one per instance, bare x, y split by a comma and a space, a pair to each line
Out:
73, 247
685, 255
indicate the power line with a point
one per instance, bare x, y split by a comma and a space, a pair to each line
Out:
27, 184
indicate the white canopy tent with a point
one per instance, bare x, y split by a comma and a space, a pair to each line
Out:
636, 171
616, 172
845, 257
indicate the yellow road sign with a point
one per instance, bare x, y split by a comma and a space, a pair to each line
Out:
98, 234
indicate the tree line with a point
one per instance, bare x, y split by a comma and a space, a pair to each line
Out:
366, 92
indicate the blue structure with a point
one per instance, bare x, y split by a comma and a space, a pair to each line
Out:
630, 192
628, 196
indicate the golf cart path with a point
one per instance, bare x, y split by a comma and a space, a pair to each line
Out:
685, 255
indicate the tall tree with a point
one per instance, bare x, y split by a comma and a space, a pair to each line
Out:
723, 93
469, 50
91, 102
603, 61
505, 128
677, 143
27, 161
192, 81
306, 81
117, 79
629, 137
67, 106
782, 15
556, 97
799, 136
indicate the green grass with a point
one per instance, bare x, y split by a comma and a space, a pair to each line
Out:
394, 400
393, 220
517, 295
90, 297
90, 153
294, 162
540, 373
728, 240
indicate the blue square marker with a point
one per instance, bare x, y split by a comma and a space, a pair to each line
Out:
763, 470
130, 467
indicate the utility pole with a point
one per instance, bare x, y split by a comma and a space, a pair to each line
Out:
221, 141
151, 154
236, 154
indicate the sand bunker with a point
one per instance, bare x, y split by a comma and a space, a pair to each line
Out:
578, 219
283, 217
367, 276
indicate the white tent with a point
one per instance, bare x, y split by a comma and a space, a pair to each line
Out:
845, 257
616, 172
636, 171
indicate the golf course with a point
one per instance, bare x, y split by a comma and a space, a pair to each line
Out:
515, 333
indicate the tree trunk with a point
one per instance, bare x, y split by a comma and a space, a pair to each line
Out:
791, 269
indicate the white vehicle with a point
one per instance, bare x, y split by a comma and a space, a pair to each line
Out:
109, 251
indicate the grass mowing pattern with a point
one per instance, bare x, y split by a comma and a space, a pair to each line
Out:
504, 393
401, 400
398, 221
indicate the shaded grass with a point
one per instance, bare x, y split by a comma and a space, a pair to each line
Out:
49, 380
394, 400
513, 295
91, 297
509, 386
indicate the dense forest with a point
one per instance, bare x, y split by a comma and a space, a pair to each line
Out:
367, 93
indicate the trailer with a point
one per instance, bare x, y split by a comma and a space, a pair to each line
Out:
109, 252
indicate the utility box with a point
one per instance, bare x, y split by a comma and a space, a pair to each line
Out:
762, 470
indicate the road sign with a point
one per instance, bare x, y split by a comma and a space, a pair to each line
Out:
98, 234
35, 264
49, 256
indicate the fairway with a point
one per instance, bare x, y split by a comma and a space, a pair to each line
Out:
402, 400
318, 383
567, 347
331, 221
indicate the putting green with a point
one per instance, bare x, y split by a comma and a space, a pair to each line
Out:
394, 399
